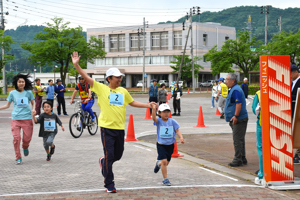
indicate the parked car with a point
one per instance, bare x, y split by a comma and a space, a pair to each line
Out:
208, 83
140, 83
165, 82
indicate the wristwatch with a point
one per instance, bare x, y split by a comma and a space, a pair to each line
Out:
236, 116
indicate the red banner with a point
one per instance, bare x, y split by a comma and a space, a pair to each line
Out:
275, 90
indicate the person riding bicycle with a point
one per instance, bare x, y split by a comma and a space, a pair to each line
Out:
86, 95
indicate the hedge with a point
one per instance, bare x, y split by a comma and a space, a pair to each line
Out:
253, 89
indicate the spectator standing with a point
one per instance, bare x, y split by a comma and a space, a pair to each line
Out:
162, 94
214, 94
50, 92
21, 97
222, 94
177, 93
237, 116
60, 90
112, 100
244, 87
153, 89
295, 77
38, 94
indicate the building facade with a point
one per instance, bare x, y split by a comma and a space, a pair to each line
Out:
124, 47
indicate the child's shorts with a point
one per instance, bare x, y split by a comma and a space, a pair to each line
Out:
164, 151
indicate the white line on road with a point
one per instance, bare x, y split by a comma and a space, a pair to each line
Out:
218, 174
142, 147
133, 188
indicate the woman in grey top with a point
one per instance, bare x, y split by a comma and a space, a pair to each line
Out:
162, 94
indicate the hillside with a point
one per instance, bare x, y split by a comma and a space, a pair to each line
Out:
238, 17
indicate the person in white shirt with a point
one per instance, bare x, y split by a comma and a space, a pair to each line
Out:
214, 94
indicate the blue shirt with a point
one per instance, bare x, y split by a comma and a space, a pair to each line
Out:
21, 100
50, 92
166, 131
236, 97
57, 89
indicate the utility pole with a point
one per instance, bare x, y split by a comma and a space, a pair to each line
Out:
2, 59
278, 23
265, 10
144, 24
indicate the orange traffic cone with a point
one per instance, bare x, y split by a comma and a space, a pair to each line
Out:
207, 90
218, 112
170, 116
148, 115
130, 130
188, 92
175, 152
168, 98
200, 119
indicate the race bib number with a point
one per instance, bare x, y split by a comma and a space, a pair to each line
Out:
49, 125
166, 131
22, 102
84, 94
116, 99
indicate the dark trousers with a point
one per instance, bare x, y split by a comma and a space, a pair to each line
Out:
152, 99
176, 105
38, 104
61, 102
52, 101
113, 147
239, 132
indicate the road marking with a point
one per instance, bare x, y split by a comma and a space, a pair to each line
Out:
142, 147
133, 188
219, 174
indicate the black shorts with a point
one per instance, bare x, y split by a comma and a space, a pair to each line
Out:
164, 151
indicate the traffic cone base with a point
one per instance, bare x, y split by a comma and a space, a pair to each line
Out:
200, 119
218, 112
175, 151
130, 131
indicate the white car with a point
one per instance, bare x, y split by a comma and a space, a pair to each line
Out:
139, 84
180, 84
165, 82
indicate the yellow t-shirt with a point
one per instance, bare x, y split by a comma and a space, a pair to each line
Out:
112, 103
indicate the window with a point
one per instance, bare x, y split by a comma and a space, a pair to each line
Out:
226, 38
142, 42
164, 40
155, 41
134, 42
132, 60
204, 39
108, 61
102, 37
177, 39
117, 43
159, 41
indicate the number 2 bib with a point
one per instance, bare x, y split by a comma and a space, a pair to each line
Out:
116, 99
22, 102
166, 131
49, 125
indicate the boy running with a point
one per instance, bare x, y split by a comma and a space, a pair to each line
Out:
166, 131
48, 128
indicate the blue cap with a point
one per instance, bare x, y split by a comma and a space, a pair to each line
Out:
294, 68
221, 79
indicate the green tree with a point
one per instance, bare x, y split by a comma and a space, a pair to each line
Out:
286, 44
237, 52
55, 45
186, 70
5, 43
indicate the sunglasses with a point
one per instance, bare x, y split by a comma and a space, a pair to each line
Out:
81, 78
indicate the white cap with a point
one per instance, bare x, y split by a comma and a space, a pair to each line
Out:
164, 107
245, 79
113, 72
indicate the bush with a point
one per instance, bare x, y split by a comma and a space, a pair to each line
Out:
68, 85
253, 89
240, 83
158, 85
1, 90
73, 85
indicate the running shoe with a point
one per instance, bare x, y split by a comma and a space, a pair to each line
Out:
100, 162
19, 161
52, 149
157, 167
26, 152
111, 190
257, 181
166, 182
296, 159
66, 115
48, 157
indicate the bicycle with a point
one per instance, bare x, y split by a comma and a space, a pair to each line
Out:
80, 120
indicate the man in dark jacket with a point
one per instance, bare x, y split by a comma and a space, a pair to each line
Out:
177, 93
60, 90
244, 87
153, 89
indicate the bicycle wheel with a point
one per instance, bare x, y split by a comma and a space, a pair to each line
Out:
76, 125
93, 127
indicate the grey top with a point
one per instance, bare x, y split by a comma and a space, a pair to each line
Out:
162, 95
48, 124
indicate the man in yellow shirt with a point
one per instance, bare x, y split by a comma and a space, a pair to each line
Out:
112, 101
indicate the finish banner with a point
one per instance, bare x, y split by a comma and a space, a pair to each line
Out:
277, 140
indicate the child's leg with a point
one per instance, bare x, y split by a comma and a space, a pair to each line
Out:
46, 147
164, 163
50, 139
16, 129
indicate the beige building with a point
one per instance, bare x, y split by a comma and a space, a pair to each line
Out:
124, 47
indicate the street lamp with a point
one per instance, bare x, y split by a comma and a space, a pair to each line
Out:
54, 73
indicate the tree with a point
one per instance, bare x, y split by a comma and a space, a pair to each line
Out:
237, 52
286, 44
5, 42
186, 70
55, 45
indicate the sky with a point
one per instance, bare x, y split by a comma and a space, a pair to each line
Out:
112, 13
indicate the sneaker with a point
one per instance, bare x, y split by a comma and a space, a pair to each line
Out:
296, 159
66, 115
174, 114
48, 157
222, 116
26, 152
257, 172
166, 182
111, 190
52, 149
211, 107
257, 181
58, 114
235, 164
178, 114
19, 161
93, 119
245, 162
100, 162
78, 128
157, 167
